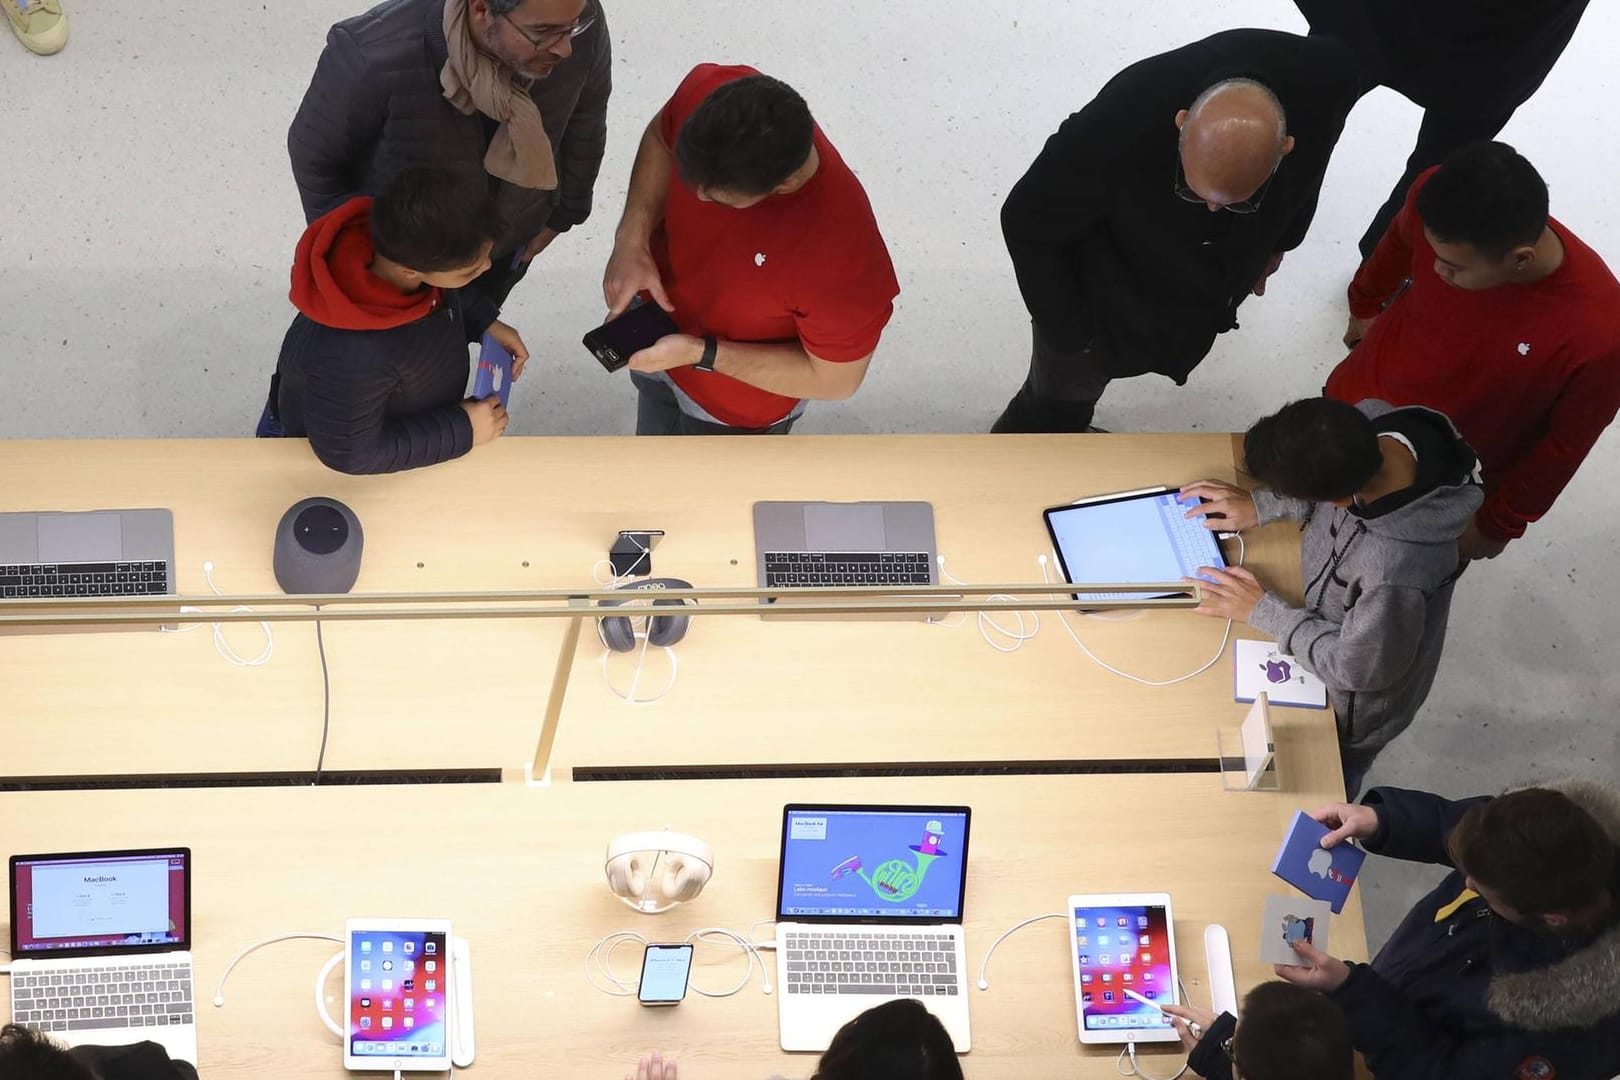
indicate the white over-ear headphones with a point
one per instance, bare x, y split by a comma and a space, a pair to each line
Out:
654, 871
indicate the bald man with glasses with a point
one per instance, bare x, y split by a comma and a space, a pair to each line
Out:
514, 92
1158, 208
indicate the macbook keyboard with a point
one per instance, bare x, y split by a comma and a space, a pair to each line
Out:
18, 581
83, 999
910, 965
809, 569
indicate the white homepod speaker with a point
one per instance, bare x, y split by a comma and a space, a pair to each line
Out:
654, 871
318, 545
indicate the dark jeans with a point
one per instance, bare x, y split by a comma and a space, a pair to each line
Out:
1356, 765
1059, 395
269, 426
658, 413
500, 279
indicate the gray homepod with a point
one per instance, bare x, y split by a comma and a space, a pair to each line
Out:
318, 547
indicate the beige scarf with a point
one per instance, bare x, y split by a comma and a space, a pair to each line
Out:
520, 153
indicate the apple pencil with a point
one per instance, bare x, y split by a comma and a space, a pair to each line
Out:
1197, 1032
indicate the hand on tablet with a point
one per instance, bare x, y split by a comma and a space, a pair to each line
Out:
653, 1067
1228, 594
1189, 1023
1229, 508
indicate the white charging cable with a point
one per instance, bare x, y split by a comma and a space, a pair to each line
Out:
599, 962
222, 646
219, 989
1226, 636
984, 968
1136, 1066
1006, 639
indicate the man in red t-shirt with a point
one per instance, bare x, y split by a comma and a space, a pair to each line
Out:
1479, 305
747, 227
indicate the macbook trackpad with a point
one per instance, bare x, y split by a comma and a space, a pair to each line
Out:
844, 527
67, 538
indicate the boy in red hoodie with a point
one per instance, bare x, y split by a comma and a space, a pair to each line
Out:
373, 370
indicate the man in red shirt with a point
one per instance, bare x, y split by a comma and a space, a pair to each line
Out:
1479, 305
744, 223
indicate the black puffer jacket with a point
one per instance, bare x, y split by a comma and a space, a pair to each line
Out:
375, 108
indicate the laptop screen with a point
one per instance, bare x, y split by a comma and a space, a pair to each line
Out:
100, 902
873, 864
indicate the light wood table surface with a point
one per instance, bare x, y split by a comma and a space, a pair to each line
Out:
519, 872
539, 512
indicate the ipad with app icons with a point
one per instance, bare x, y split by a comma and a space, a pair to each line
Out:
396, 992
1120, 942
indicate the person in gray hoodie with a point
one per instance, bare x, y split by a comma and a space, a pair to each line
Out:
1381, 495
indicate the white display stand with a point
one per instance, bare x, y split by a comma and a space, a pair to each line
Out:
1248, 754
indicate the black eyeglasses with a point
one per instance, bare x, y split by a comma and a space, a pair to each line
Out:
545, 39
1242, 206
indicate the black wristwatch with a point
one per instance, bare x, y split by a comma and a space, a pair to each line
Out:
711, 349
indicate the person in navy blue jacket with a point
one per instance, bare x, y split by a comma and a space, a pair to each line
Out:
1510, 968
374, 368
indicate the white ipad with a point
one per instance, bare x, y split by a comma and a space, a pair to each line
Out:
396, 985
1132, 537
1120, 942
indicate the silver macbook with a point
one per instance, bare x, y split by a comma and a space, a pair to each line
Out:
868, 910
90, 553
809, 544
101, 948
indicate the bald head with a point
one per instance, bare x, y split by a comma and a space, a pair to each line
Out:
1232, 139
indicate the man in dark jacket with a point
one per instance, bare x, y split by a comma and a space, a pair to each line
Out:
29, 1055
1156, 209
527, 116
1510, 968
1381, 495
374, 367
1468, 63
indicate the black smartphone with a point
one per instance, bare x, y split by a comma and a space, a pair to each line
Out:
615, 342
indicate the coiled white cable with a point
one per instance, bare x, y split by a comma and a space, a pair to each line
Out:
987, 623
222, 646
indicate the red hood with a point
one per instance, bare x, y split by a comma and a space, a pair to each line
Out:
332, 282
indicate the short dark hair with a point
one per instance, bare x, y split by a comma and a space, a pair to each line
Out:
1487, 196
1316, 449
899, 1040
746, 137
431, 220
1286, 1031
30, 1055
1537, 849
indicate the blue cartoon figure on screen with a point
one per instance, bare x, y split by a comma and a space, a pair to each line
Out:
897, 880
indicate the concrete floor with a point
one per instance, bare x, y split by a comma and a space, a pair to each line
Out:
150, 221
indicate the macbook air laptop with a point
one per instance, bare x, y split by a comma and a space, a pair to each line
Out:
869, 909
101, 948
810, 544
92, 553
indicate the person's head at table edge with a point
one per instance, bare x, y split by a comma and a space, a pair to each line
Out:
31, 1055
749, 140
1286, 1032
432, 227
